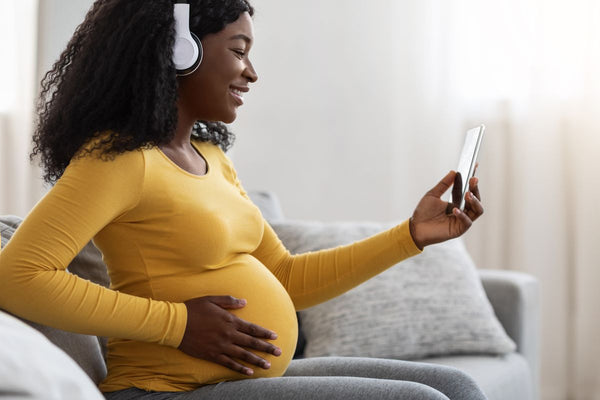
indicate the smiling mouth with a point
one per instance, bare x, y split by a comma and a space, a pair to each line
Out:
238, 95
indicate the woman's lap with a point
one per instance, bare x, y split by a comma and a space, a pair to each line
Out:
450, 381
332, 378
295, 388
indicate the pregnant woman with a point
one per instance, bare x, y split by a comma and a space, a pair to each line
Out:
203, 294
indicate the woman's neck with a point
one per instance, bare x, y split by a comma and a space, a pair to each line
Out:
183, 131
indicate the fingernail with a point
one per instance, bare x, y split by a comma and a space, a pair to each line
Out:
273, 335
266, 365
457, 211
277, 352
242, 302
249, 371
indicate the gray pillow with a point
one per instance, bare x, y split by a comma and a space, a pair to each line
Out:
86, 350
432, 304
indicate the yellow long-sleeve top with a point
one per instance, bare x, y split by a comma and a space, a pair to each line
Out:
168, 236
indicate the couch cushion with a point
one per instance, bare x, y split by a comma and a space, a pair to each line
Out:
500, 377
84, 349
432, 304
34, 368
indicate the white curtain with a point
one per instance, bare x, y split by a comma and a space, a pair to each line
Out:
19, 188
361, 107
530, 69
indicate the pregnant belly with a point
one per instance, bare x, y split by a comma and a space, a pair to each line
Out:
161, 368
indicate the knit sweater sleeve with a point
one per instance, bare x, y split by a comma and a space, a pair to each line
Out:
34, 283
314, 277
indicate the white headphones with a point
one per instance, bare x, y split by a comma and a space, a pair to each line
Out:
187, 52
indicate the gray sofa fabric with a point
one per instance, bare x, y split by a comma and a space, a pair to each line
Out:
515, 298
499, 377
268, 204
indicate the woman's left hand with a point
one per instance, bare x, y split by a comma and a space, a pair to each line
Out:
435, 220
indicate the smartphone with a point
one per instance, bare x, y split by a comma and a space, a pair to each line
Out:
468, 160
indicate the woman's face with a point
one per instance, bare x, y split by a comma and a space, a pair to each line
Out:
215, 90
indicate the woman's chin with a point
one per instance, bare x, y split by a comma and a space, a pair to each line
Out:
230, 118
226, 119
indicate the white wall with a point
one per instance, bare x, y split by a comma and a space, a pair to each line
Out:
339, 122
57, 21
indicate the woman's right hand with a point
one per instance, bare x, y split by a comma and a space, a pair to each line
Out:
214, 334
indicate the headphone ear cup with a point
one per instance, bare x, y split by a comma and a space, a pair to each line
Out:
191, 69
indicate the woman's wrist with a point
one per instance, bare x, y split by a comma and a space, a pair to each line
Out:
413, 234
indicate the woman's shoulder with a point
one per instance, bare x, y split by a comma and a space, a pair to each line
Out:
96, 154
100, 146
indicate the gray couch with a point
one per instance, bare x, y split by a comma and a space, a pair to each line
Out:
513, 295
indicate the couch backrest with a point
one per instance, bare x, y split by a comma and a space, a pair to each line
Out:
268, 203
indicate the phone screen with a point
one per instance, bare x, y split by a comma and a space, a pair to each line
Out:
468, 160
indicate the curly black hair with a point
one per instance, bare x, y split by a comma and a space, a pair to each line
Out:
117, 76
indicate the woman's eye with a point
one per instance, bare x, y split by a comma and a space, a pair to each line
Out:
239, 53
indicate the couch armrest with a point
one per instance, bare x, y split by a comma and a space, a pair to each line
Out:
515, 299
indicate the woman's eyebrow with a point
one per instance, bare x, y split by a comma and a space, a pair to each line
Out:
241, 36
